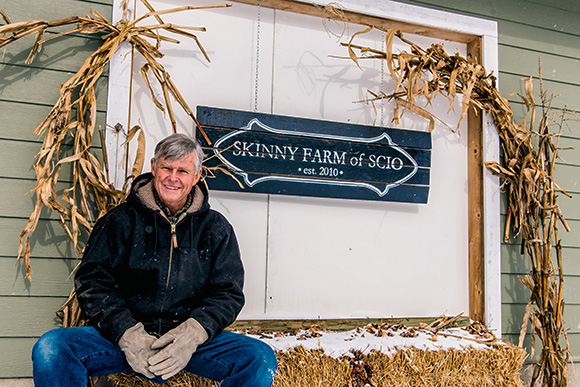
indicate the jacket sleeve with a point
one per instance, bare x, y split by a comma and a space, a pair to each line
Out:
224, 298
95, 283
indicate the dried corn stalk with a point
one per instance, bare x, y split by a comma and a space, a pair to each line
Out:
90, 194
528, 173
540, 238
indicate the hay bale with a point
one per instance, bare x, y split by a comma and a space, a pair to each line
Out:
380, 355
182, 379
300, 367
473, 367
407, 367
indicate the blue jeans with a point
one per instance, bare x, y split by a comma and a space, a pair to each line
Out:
66, 357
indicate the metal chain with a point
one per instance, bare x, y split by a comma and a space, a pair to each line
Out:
383, 49
257, 56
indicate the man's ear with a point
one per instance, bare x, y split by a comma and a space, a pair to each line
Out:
153, 166
197, 177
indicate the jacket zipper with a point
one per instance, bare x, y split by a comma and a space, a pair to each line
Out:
172, 245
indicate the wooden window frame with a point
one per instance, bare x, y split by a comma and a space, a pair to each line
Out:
480, 36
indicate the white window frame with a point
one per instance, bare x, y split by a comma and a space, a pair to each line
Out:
119, 96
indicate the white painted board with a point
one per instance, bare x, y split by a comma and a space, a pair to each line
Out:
311, 257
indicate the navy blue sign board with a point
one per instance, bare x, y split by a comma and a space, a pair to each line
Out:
297, 156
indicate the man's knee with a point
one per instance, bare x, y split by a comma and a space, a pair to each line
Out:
47, 348
264, 356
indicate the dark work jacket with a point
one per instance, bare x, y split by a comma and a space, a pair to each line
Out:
132, 272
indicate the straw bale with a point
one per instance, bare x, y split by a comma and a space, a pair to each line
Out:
407, 367
474, 367
182, 379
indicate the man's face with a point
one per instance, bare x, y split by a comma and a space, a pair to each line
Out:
173, 180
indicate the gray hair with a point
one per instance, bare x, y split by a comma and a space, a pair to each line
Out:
177, 146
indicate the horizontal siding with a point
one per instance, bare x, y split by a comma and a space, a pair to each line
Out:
57, 54
22, 155
514, 292
27, 94
565, 5
15, 357
568, 205
48, 241
19, 119
515, 314
573, 338
25, 10
513, 83
568, 176
521, 47
569, 239
525, 36
19, 80
569, 156
540, 15
515, 263
524, 61
50, 277
21, 200
36, 315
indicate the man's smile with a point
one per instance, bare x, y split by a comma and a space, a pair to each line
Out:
174, 180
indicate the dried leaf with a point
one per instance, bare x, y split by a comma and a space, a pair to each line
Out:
529, 153
89, 177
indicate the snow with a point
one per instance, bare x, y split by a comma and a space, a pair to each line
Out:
385, 338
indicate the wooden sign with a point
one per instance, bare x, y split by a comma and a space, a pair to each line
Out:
297, 156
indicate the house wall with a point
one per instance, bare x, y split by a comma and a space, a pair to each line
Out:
528, 30
27, 93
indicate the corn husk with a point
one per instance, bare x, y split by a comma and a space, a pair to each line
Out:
91, 195
529, 152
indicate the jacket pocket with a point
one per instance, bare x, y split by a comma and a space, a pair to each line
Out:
193, 272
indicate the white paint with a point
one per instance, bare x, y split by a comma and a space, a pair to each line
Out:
325, 257
491, 199
118, 102
249, 215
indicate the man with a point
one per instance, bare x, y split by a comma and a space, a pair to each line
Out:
160, 279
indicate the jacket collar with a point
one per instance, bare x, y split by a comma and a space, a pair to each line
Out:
142, 191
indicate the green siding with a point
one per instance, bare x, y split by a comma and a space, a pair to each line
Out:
47, 242
19, 80
35, 316
25, 10
27, 93
57, 54
50, 278
527, 30
15, 356
19, 119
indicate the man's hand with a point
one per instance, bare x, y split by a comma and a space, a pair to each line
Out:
178, 345
136, 343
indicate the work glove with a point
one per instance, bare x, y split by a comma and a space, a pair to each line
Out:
178, 345
136, 343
